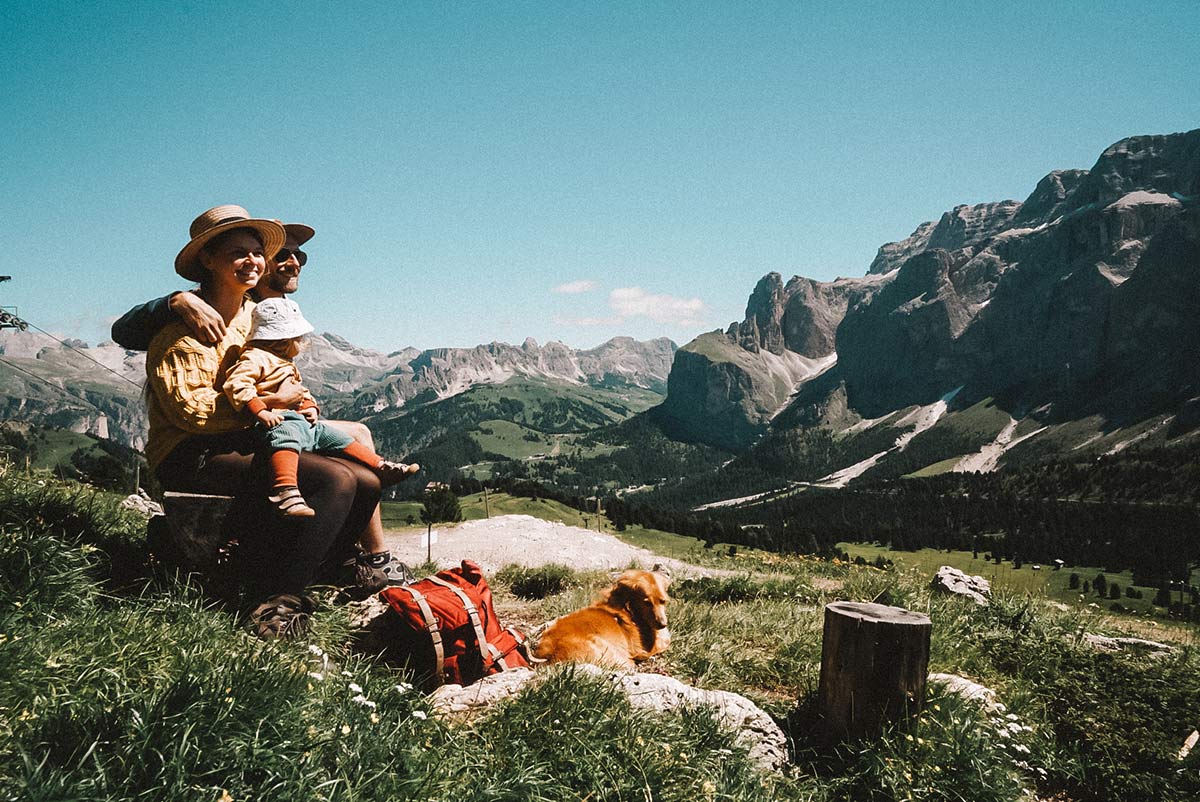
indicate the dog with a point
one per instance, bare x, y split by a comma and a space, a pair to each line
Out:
626, 625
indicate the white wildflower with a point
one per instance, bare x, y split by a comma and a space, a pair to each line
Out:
317, 675
355, 687
404, 687
315, 649
346, 674
364, 701
421, 714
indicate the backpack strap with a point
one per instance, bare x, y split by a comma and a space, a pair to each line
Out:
492, 654
523, 645
431, 624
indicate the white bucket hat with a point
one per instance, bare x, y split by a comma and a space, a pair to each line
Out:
277, 319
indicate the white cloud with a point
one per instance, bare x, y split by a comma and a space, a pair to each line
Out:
626, 303
575, 287
629, 302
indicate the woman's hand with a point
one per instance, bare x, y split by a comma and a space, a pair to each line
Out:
201, 319
270, 418
311, 414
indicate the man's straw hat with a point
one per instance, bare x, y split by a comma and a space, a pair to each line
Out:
219, 219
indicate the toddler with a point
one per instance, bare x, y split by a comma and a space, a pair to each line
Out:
265, 364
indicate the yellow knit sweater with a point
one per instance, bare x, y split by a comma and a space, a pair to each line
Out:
184, 379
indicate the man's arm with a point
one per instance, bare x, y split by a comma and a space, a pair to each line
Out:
137, 327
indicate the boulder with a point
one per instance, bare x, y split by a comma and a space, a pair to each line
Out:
967, 689
141, 502
757, 731
1149, 648
953, 581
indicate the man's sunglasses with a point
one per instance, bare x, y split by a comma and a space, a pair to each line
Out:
284, 254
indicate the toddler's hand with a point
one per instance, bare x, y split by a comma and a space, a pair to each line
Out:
311, 414
270, 418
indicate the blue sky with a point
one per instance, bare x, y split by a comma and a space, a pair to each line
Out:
567, 171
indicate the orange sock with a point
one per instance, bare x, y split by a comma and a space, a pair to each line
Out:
366, 456
284, 465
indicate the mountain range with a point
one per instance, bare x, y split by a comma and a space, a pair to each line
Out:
996, 335
97, 390
1000, 332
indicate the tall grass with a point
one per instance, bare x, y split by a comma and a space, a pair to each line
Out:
136, 689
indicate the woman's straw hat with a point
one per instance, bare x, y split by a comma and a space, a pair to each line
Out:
219, 219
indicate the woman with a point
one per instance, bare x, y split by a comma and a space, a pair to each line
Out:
199, 443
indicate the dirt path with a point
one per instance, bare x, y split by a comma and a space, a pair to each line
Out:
529, 541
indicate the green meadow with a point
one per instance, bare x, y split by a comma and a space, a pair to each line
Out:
117, 683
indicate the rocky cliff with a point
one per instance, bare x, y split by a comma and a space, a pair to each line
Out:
74, 387
725, 387
1080, 301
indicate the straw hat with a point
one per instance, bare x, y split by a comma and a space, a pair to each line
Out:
215, 221
277, 319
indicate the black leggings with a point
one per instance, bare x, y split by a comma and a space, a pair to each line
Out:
277, 555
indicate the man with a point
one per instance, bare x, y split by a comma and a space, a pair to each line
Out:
375, 567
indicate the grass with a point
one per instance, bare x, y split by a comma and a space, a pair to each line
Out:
1046, 582
536, 583
122, 688
512, 439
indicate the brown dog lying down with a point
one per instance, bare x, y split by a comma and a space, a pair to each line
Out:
628, 623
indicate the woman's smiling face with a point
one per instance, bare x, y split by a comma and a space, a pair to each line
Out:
235, 258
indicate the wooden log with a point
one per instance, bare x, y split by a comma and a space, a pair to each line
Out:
196, 528
874, 663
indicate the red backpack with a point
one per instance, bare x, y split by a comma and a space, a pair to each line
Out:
448, 630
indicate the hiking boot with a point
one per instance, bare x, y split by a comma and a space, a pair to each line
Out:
396, 572
290, 504
359, 579
283, 616
391, 473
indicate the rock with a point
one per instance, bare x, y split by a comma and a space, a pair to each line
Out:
757, 731
967, 689
141, 502
449, 700
953, 581
1149, 648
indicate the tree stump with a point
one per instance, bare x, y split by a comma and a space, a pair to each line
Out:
196, 529
874, 663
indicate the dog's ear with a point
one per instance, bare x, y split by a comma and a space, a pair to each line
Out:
623, 594
662, 575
